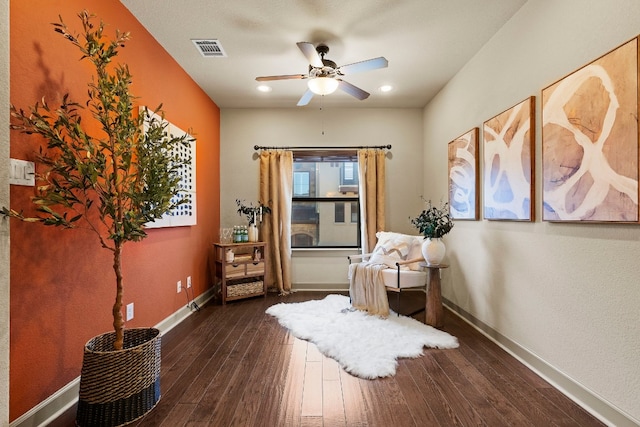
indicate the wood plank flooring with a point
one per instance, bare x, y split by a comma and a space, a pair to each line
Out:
234, 365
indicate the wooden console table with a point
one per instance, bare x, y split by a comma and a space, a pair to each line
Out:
434, 314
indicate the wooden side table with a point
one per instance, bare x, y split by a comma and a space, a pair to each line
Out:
434, 314
244, 276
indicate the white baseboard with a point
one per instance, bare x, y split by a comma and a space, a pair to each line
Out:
321, 287
173, 320
59, 402
591, 402
50, 408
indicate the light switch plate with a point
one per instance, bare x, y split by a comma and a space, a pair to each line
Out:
22, 172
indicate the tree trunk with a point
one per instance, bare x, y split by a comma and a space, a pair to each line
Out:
118, 322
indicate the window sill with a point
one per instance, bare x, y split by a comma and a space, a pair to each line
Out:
310, 252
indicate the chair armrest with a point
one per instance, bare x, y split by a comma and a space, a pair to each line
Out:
359, 257
401, 263
409, 261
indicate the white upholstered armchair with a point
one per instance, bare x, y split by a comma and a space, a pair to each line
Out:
396, 258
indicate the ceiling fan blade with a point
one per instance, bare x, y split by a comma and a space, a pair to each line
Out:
284, 77
352, 90
309, 51
369, 64
305, 98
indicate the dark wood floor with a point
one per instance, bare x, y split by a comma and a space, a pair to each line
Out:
234, 365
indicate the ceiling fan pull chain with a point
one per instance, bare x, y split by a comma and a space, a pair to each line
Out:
321, 114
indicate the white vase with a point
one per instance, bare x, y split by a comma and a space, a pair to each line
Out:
253, 233
433, 250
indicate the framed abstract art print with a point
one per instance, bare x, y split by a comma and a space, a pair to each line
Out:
590, 141
509, 154
463, 176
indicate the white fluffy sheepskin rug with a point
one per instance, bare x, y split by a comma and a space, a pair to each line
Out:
365, 346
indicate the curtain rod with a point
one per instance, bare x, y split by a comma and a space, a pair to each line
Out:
384, 147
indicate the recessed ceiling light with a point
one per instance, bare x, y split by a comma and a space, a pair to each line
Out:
385, 88
264, 88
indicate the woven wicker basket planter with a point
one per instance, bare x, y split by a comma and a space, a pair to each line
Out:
118, 387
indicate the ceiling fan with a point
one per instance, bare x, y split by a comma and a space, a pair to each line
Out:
324, 75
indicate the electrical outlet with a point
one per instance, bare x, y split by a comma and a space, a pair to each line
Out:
179, 286
188, 281
129, 311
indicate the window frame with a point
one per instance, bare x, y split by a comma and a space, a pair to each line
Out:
328, 156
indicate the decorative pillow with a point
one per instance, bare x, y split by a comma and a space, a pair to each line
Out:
391, 248
416, 252
383, 236
387, 240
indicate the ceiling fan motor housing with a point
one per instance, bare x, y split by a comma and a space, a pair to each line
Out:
329, 69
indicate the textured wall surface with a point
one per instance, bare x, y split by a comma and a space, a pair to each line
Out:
62, 282
568, 293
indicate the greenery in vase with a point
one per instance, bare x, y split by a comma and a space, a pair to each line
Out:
433, 222
112, 183
253, 213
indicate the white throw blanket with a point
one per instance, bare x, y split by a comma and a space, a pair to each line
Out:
366, 288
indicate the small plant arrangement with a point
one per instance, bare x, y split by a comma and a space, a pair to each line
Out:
253, 213
433, 222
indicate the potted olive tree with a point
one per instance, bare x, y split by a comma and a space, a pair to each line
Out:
113, 184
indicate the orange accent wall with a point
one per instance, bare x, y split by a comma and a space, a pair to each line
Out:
62, 283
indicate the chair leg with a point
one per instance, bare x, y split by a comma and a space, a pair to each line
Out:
412, 313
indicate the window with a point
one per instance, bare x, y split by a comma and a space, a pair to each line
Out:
303, 240
355, 212
339, 214
325, 205
300, 183
349, 174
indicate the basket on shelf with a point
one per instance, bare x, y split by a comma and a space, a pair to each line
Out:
241, 289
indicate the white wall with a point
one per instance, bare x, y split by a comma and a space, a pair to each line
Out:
4, 223
241, 129
568, 294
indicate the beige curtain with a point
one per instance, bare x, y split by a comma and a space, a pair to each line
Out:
276, 183
371, 174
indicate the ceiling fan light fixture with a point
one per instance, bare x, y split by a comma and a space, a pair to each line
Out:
323, 85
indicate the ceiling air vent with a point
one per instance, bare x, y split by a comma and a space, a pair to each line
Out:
210, 48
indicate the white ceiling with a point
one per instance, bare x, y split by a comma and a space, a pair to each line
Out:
425, 41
